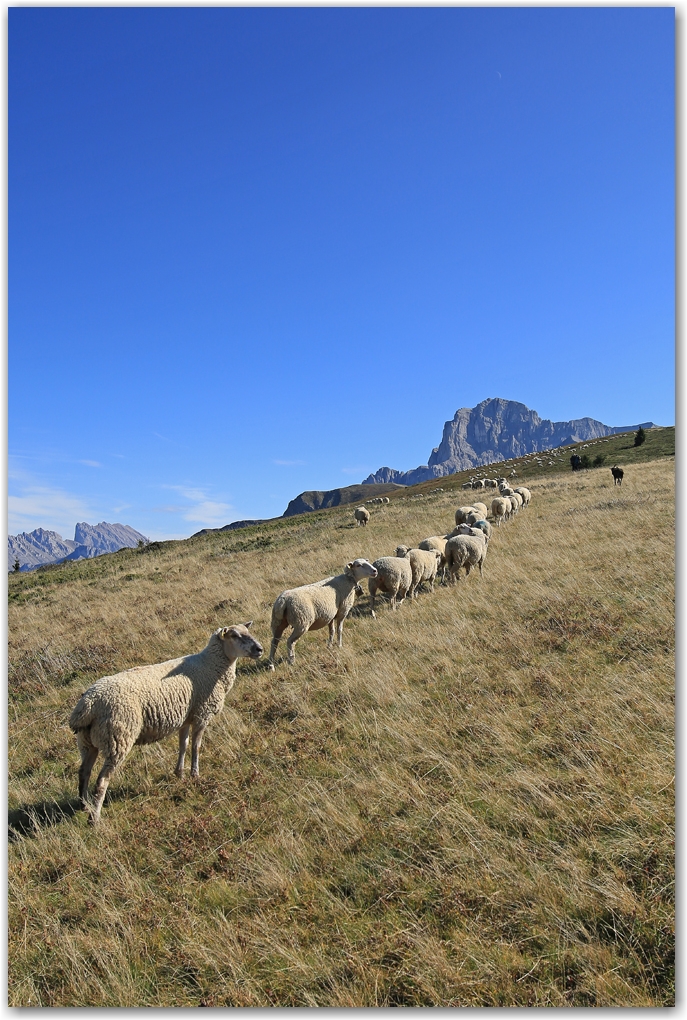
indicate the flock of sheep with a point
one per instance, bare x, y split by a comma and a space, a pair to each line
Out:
148, 703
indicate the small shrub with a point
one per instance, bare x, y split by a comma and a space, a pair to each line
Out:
640, 436
598, 460
585, 461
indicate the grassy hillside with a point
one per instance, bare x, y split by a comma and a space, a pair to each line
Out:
470, 804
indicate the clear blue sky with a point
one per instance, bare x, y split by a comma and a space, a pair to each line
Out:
255, 251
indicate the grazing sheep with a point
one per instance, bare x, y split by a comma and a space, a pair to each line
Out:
424, 564
394, 575
481, 508
525, 493
516, 501
436, 542
462, 513
362, 516
506, 490
485, 527
617, 473
313, 606
500, 509
147, 703
465, 551
466, 485
478, 484
491, 483
385, 499
468, 529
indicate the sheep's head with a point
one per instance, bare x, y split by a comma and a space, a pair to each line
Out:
358, 569
238, 642
402, 551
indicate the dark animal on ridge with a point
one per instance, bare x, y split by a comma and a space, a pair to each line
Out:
575, 462
617, 475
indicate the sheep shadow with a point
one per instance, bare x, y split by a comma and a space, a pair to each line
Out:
29, 820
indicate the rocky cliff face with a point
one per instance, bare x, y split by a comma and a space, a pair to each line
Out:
40, 547
492, 431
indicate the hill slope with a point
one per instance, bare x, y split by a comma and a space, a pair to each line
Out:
470, 804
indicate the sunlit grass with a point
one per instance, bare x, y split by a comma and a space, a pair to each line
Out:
470, 804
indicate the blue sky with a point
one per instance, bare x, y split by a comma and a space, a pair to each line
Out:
254, 251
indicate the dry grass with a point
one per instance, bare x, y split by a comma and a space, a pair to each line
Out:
470, 804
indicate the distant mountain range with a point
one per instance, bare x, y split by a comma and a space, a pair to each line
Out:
40, 547
496, 430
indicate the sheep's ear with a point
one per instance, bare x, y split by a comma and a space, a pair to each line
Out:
349, 566
249, 624
222, 632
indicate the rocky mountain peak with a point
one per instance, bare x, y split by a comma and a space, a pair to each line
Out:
495, 430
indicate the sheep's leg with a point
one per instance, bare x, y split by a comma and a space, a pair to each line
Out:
290, 642
276, 638
89, 753
339, 631
197, 740
101, 786
183, 746
332, 633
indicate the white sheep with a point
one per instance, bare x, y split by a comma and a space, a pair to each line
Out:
394, 576
362, 516
500, 509
481, 509
465, 551
466, 485
436, 542
424, 564
313, 606
462, 513
525, 493
147, 703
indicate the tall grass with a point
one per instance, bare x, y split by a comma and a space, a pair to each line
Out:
470, 804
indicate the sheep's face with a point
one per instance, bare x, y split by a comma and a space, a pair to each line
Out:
361, 568
402, 551
239, 643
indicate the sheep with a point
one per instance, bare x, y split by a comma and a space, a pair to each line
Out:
313, 606
468, 529
485, 527
466, 485
481, 509
462, 512
465, 551
393, 575
516, 501
147, 703
436, 542
424, 564
362, 516
525, 493
491, 483
478, 484
506, 490
500, 509
385, 500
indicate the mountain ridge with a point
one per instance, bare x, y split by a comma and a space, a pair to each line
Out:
494, 430
40, 547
